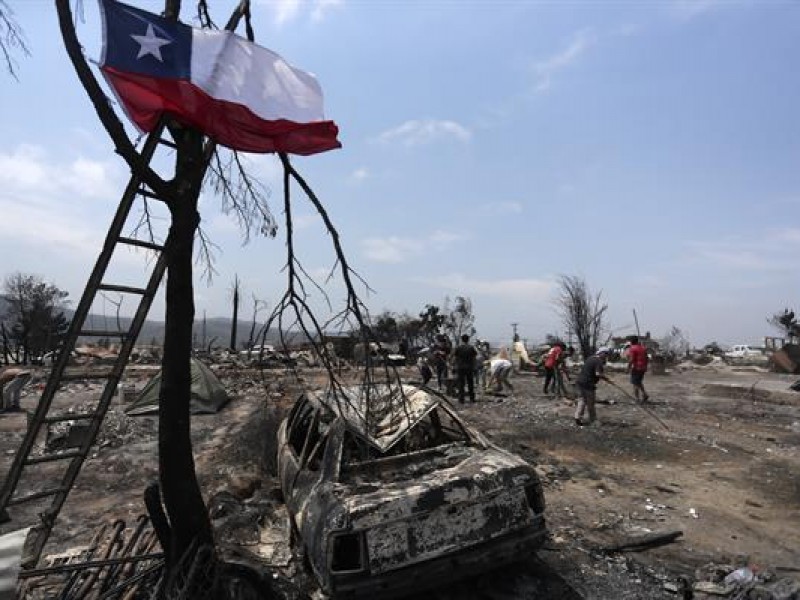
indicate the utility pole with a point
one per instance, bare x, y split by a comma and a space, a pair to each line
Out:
516, 336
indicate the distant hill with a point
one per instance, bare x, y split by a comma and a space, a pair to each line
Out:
217, 330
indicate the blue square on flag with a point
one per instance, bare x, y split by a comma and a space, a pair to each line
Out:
141, 42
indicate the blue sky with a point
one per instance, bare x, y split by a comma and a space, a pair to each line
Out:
651, 147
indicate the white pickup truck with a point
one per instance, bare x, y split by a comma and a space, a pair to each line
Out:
742, 351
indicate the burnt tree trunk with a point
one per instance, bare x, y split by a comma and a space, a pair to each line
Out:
183, 501
235, 323
186, 526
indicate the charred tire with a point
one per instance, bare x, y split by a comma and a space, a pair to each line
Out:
245, 582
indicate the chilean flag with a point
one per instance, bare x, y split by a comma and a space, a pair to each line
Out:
240, 95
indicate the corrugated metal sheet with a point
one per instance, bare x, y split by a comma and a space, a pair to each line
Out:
10, 555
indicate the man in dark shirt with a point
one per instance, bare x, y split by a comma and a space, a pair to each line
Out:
591, 372
440, 354
464, 357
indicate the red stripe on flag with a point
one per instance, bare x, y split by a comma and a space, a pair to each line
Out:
227, 123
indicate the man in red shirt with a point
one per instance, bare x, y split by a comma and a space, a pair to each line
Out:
637, 366
551, 363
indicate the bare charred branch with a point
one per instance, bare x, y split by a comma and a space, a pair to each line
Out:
583, 312
12, 37
205, 255
354, 303
145, 223
243, 197
248, 26
203, 16
295, 313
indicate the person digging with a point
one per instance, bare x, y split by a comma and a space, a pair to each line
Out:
586, 382
12, 380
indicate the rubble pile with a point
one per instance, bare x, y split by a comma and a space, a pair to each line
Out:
118, 429
746, 582
118, 558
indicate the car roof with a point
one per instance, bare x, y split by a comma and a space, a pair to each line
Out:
380, 414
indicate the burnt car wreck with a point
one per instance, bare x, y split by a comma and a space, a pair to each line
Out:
389, 491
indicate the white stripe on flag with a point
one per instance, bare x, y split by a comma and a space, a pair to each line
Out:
228, 67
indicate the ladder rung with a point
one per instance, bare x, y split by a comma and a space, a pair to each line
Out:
168, 143
102, 333
69, 417
36, 496
53, 457
149, 194
77, 376
108, 287
140, 243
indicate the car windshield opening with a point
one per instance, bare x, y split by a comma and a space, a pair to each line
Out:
435, 434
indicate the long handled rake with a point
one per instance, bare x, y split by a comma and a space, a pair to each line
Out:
638, 405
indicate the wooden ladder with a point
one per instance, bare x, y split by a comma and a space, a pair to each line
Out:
28, 457
26, 460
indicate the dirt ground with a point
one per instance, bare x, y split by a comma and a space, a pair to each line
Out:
716, 458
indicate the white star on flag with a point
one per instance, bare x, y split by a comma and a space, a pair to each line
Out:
150, 43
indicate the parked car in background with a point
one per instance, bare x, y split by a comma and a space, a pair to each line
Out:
259, 349
742, 351
389, 491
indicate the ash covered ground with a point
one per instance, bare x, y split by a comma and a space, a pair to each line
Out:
725, 471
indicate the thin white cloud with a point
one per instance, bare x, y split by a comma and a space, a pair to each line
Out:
567, 188
790, 235
650, 281
735, 258
766, 254
390, 249
417, 132
48, 230
396, 249
221, 224
526, 289
627, 30
441, 238
689, 9
286, 11
322, 7
305, 221
501, 208
59, 206
29, 174
359, 175
547, 69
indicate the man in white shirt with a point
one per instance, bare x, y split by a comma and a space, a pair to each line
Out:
499, 372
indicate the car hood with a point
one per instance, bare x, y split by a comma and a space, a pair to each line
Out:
467, 473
